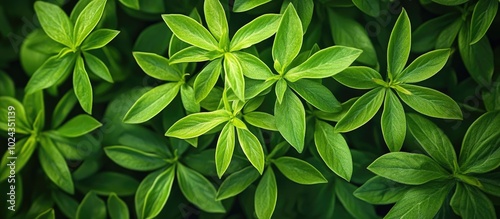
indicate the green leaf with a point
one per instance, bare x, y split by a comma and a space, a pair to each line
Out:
197, 124
50, 73
24, 149
317, 95
117, 208
362, 110
288, 39
206, 79
478, 58
433, 140
54, 165
407, 168
369, 7
98, 39
252, 148
55, 22
379, 190
448, 34
91, 207
135, 159
224, 149
49, 214
10, 107
82, 86
359, 77
333, 149
399, 45
421, 202
234, 75
266, 195
98, 67
426, 36
78, 126
255, 31
108, 183
393, 122
425, 66
194, 54
355, 207
153, 192
324, 63
151, 103
87, 20
7, 87
188, 99
237, 182
157, 66
450, 2
480, 152
470, 202
430, 102
346, 31
261, 120
190, 31
482, 17
299, 171
216, 19
280, 89
252, 66
198, 190
291, 120
67, 204
491, 183
246, 5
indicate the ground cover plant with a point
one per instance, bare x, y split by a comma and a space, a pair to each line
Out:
250, 109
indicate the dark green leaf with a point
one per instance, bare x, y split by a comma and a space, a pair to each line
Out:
153, 193
91, 207
482, 17
379, 190
117, 208
299, 171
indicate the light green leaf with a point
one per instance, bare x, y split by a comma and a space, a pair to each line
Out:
291, 119
266, 195
288, 39
362, 110
91, 207
324, 63
393, 122
194, 54
480, 152
430, 102
87, 20
117, 208
78, 126
252, 66
470, 202
261, 120
399, 45
359, 77
299, 171
333, 149
224, 149
280, 89
216, 19
421, 202
433, 140
252, 148
206, 79
54, 165
55, 22
482, 17
153, 193
24, 150
152, 103
82, 86
255, 31
425, 66
50, 73
188, 100
135, 159
10, 107
245, 5
190, 31
98, 39
197, 124
379, 190
237, 182
234, 75
157, 66
98, 67
198, 190
317, 95
407, 168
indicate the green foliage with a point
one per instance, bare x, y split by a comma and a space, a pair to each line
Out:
250, 109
